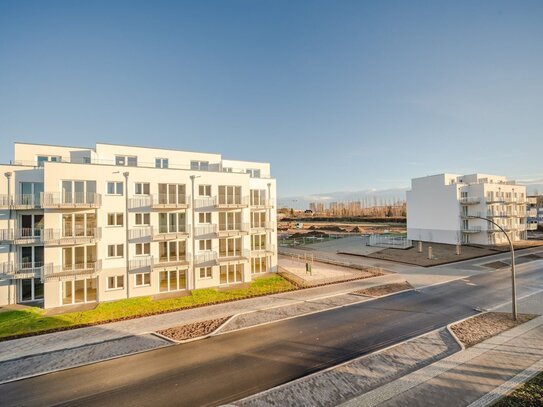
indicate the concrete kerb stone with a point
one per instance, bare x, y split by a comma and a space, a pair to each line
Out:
214, 332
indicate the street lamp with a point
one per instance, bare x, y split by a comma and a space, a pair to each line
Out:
193, 236
512, 249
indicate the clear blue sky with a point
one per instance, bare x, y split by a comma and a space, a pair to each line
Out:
337, 95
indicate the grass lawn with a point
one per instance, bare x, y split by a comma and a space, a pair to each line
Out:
530, 394
31, 320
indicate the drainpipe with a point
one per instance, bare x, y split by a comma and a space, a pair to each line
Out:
193, 236
127, 254
8, 177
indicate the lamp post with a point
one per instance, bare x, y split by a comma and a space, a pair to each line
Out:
8, 177
127, 254
193, 235
512, 249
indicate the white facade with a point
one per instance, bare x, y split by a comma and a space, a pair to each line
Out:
441, 208
82, 225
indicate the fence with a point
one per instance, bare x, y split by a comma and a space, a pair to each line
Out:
302, 240
392, 242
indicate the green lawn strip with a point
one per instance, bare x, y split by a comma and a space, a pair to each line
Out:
32, 320
530, 394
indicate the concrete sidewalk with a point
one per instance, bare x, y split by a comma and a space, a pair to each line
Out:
476, 376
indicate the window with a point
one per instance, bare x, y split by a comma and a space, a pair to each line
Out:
229, 195
258, 242
115, 283
161, 163
142, 188
232, 273
204, 190
258, 219
126, 160
204, 244
78, 224
230, 247
115, 250
30, 193
115, 188
227, 169
115, 219
78, 257
258, 265
174, 250
171, 194
253, 172
230, 220
143, 279
206, 272
78, 191
204, 217
51, 158
143, 249
78, 291
258, 197
143, 219
199, 165
172, 280
172, 222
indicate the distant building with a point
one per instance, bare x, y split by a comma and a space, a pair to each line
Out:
534, 211
440, 208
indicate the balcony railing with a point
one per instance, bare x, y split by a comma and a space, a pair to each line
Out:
209, 257
233, 229
164, 233
471, 229
205, 202
140, 265
265, 250
262, 204
167, 201
472, 200
234, 257
20, 201
232, 202
81, 200
470, 215
66, 237
260, 227
88, 269
22, 270
183, 260
207, 229
21, 236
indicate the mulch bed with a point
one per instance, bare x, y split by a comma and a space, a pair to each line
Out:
385, 289
481, 327
194, 330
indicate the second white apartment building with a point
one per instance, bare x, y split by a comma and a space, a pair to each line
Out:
442, 208
81, 225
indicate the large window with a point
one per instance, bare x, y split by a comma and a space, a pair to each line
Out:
79, 291
30, 193
258, 219
45, 158
78, 224
259, 265
253, 172
230, 247
258, 197
172, 251
229, 194
232, 273
115, 188
171, 194
31, 225
172, 280
78, 191
258, 242
78, 257
31, 257
199, 165
229, 220
171, 222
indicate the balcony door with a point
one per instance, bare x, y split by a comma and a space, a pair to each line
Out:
31, 225
31, 257
30, 289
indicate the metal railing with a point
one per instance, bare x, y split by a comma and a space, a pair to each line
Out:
265, 250
232, 229
77, 235
232, 202
22, 235
262, 226
387, 241
183, 259
170, 201
470, 200
54, 200
24, 201
89, 268
235, 256
471, 229
205, 202
262, 203
206, 257
206, 229
22, 270
166, 233
141, 264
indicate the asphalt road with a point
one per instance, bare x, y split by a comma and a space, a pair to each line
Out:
228, 367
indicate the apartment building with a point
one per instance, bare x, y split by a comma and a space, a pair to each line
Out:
443, 209
81, 225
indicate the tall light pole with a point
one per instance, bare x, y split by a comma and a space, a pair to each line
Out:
193, 235
512, 249
127, 254
8, 177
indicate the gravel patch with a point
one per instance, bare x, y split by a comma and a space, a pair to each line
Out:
194, 330
384, 289
481, 327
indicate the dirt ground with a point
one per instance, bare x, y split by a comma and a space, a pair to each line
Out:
385, 289
441, 254
190, 331
481, 327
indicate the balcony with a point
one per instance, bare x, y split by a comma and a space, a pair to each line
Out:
262, 204
471, 229
21, 236
472, 200
162, 233
267, 250
205, 230
141, 265
206, 258
234, 229
234, 257
76, 200
470, 215
164, 263
22, 270
495, 200
232, 202
262, 227
88, 269
497, 215
20, 202
68, 237
166, 201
